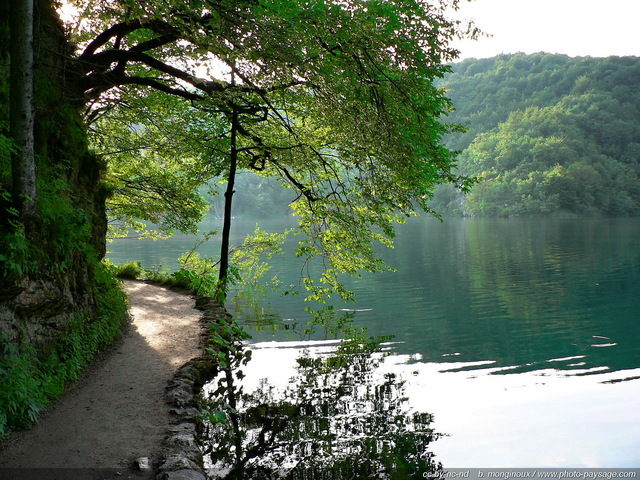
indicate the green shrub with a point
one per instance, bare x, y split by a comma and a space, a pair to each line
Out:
28, 383
130, 271
21, 399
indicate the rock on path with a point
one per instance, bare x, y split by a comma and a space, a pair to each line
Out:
117, 411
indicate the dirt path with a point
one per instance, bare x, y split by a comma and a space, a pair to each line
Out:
117, 412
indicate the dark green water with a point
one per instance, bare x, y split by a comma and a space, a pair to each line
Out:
522, 337
516, 292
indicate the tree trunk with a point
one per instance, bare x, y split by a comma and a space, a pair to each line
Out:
223, 275
21, 120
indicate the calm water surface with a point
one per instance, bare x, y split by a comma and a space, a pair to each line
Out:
521, 337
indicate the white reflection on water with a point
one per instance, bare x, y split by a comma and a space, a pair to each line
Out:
542, 418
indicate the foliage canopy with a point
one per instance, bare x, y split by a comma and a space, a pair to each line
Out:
335, 99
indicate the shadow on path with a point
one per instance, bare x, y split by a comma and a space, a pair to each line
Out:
117, 411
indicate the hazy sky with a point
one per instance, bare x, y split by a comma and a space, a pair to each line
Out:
596, 28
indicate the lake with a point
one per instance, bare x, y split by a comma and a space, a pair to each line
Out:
520, 336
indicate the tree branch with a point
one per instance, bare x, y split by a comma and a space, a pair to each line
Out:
106, 81
125, 28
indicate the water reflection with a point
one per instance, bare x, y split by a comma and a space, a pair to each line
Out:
517, 292
526, 330
337, 417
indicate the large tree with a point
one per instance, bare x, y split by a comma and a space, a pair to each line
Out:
23, 165
334, 98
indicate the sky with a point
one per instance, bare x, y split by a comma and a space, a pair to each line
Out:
596, 28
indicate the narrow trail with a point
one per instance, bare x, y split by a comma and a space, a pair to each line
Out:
117, 411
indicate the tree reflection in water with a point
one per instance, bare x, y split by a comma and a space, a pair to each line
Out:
337, 419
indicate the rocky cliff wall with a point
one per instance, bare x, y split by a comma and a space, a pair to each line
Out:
58, 304
47, 278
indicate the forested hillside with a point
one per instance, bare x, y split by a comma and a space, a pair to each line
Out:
548, 134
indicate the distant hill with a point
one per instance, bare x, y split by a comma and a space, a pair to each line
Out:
549, 135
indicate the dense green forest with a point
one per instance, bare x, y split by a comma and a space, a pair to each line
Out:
547, 134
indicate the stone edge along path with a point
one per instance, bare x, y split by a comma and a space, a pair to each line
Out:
182, 457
